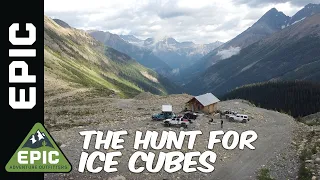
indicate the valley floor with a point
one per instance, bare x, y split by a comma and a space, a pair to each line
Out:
276, 149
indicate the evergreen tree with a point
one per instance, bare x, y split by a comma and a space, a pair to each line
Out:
297, 98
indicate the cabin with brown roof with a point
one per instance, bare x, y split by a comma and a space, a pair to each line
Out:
206, 103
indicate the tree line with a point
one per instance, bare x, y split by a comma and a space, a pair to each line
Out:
297, 98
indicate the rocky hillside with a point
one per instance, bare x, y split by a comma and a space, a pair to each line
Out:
74, 61
308, 144
312, 119
290, 54
144, 56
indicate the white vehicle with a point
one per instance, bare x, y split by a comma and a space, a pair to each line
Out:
177, 121
230, 113
239, 118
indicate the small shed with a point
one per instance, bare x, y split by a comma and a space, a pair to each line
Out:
206, 103
166, 108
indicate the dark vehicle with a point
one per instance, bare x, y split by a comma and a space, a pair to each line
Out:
190, 115
183, 117
163, 115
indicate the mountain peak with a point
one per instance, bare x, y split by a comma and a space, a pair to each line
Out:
311, 5
307, 11
131, 38
217, 43
62, 23
273, 20
273, 10
149, 41
168, 38
272, 13
128, 36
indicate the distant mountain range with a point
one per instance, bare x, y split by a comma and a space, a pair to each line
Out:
166, 56
271, 22
74, 59
143, 55
176, 54
276, 47
289, 54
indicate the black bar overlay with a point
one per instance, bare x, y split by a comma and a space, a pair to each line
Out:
16, 123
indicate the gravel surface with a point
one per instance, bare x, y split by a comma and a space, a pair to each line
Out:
66, 117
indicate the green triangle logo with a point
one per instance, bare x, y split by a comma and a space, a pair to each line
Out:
38, 153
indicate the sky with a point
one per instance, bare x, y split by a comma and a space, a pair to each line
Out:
200, 21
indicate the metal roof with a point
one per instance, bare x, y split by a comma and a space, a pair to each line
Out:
207, 99
166, 108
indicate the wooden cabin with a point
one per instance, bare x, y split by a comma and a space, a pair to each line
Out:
206, 103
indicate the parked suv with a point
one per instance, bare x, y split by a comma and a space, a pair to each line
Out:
163, 115
190, 115
239, 118
230, 113
177, 121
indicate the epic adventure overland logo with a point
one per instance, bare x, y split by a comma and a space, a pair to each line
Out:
38, 153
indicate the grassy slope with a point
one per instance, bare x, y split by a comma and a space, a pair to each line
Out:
73, 59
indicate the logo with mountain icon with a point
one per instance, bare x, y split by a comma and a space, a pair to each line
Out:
38, 153
37, 140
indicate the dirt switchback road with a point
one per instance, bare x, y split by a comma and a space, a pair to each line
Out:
274, 148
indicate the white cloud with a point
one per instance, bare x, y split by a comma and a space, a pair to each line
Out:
155, 27
226, 53
201, 21
175, 71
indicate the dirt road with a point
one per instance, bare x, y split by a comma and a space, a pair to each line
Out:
274, 137
273, 146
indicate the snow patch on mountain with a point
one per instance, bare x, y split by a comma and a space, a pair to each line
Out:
298, 21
